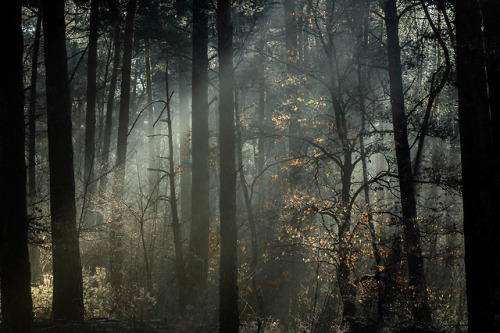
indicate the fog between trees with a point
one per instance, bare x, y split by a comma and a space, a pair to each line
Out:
253, 166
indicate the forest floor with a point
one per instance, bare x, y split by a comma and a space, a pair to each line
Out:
119, 326
160, 326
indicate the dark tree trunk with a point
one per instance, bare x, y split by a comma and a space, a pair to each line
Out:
176, 225
420, 309
15, 287
491, 8
198, 245
261, 115
90, 117
185, 153
152, 151
257, 290
67, 294
110, 105
228, 311
480, 222
115, 232
32, 109
184, 128
36, 268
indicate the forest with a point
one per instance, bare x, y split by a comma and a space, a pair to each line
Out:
249, 166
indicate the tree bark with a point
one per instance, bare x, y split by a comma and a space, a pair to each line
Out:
15, 287
90, 117
36, 270
229, 317
115, 232
152, 151
479, 179
257, 290
362, 40
32, 108
490, 11
110, 105
184, 133
420, 306
67, 294
198, 245
176, 226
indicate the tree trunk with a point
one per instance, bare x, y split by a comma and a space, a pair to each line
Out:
185, 153
176, 226
261, 115
477, 168
198, 245
490, 11
294, 144
115, 232
90, 118
15, 290
257, 290
32, 109
228, 317
67, 294
110, 105
362, 39
152, 151
420, 306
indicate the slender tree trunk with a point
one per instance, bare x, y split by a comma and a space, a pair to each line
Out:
198, 245
115, 232
294, 144
362, 39
185, 153
184, 129
479, 179
152, 151
110, 105
229, 317
176, 226
379, 274
261, 145
36, 273
257, 290
67, 293
15, 287
90, 118
420, 309
32, 109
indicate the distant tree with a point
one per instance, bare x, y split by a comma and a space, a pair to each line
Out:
90, 117
67, 270
15, 287
228, 310
115, 233
32, 107
420, 309
197, 268
184, 126
110, 105
176, 225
